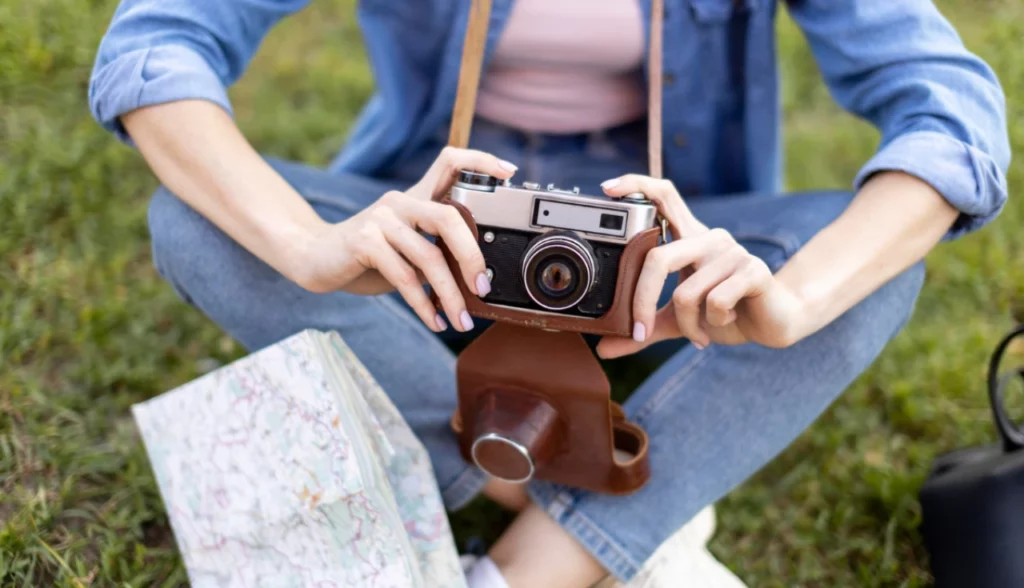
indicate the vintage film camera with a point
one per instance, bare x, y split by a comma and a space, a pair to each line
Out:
557, 259
533, 400
549, 249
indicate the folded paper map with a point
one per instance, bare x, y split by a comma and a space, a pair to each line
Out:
291, 467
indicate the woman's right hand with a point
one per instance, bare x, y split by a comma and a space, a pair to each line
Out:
382, 249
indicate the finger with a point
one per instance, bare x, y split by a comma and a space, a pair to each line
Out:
381, 256
662, 261
665, 327
688, 297
445, 221
719, 318
664, 195
442, 173
748, 280
426, 256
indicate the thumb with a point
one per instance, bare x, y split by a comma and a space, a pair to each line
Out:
665, 327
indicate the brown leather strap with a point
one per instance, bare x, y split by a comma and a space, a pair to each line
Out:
469, 73
654, 77
472, 61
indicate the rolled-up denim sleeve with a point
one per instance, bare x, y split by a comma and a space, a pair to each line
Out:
158, 51
940, 109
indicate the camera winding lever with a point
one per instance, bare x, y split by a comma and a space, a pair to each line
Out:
536, 404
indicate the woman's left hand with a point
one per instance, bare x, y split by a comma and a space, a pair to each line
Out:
728, 296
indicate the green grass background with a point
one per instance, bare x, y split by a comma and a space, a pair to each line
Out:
87, 328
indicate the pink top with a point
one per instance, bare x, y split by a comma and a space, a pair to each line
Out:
566, 66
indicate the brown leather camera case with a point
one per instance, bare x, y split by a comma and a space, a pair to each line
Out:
537, 404
533, 399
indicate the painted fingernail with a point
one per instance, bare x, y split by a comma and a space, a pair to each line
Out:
440, 322
639, 332
699, 346
483, 285
466, 320
507, 165
609, 184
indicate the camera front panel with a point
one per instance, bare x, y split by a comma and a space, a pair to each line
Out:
503, 250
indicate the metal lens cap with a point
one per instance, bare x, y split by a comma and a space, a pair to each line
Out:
503, 458
477, 180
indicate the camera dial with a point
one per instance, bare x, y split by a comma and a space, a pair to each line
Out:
472, 180
559, 269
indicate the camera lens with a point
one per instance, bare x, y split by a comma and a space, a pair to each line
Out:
559, 268
557, 278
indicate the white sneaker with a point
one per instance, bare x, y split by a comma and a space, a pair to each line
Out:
683, 561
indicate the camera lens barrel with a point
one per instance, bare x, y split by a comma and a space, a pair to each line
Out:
559, 269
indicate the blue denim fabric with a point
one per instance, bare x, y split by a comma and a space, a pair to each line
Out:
714, 417
898, 64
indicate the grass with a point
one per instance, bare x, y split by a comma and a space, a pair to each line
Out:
87, 328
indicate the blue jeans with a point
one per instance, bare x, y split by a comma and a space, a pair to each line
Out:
714, 417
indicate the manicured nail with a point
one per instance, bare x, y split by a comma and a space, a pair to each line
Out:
507, 165
639, 332
483, 285
609, 184
467, 322
699, 346
440, 322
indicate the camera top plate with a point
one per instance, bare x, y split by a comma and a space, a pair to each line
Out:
528, 207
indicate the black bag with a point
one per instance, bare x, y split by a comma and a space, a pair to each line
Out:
973, 502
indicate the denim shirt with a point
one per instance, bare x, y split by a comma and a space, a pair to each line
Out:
898, 64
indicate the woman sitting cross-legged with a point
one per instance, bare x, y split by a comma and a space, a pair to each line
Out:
788, 297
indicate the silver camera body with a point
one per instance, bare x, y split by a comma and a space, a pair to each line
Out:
551, 249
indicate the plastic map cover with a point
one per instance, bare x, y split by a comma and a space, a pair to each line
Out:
291, 467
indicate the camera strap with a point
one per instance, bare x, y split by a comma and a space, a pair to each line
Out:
475, 44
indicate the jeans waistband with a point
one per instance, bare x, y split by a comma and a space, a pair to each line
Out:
559, 143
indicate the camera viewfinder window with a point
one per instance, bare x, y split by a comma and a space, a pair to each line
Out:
611, 221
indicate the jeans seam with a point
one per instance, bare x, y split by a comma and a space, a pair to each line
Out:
602, 537
670, 386
577, 523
